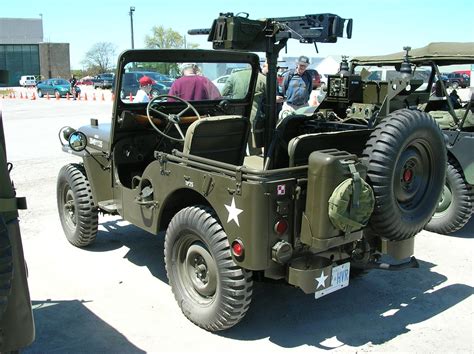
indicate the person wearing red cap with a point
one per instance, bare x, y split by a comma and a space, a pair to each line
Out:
143, 94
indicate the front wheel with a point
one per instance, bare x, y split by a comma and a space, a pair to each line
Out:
406, 167
212, 290
77, 212
455, 206
40, 93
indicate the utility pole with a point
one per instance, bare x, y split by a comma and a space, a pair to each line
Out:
132, 9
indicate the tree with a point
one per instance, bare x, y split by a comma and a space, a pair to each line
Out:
100, 58
166, 39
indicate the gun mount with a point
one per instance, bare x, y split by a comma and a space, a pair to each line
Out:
270, 35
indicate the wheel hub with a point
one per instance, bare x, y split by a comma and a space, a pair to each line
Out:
201, 270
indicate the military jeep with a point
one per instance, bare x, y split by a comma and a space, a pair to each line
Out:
453, 112
325, 199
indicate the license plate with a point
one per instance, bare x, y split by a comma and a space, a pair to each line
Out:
340, 279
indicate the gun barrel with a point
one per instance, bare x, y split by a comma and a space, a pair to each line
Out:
195, 31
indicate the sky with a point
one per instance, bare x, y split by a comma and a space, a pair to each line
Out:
380, 26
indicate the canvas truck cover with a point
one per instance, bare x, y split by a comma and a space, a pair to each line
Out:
443, 53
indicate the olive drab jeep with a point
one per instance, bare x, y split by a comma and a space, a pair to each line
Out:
326, 199
453, 112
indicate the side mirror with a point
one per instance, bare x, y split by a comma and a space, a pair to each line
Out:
78, 141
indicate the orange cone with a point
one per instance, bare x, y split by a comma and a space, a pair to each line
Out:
57, 95
131, 97
85, 96
67, 96
33, 97
103, 98
21, 95
93, 96
26, 95
47, 96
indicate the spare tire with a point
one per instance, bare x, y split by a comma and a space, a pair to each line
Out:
406, 160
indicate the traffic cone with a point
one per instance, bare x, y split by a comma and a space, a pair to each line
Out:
103, 98
26, 95
85, 96
33, 97
21, 95
93, 96
57, 95
67, 96
47, 96
113, 97
79, 96
131, 97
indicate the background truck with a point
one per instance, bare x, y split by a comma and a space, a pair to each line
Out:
452, 109
326, 199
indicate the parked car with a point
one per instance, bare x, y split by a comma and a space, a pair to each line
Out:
56, 86
456, 79
103, 81
161, 83
27, 80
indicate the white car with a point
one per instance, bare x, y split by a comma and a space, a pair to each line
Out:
27, 80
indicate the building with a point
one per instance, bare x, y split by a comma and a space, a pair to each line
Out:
23, 51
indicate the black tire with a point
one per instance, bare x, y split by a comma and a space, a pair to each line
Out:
212, 291
455, 85
40, 93
406, 160
77, 212
455, 206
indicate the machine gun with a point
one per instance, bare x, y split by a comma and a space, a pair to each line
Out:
270, 36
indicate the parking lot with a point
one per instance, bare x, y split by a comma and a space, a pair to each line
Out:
114, 296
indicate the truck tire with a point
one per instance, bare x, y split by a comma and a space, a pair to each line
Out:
406, 158
455, 206
213, 292
77, 212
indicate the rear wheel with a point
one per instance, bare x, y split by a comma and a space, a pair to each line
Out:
77, 212
40, 93
406, 159
455, 85
455, 206
212, 291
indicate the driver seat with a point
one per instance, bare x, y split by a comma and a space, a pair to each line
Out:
219, 138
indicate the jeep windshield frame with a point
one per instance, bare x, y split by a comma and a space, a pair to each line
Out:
219, 105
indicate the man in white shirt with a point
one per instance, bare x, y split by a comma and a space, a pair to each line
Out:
143, 94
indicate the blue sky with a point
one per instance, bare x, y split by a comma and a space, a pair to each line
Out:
380, 26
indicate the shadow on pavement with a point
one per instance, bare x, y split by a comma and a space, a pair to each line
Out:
145, 249
80, 328
375, 308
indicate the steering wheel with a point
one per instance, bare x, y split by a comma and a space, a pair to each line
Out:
170, 118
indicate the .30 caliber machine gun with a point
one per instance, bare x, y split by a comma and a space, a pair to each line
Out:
270, 35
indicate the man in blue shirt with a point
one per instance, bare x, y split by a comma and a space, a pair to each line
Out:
297, 86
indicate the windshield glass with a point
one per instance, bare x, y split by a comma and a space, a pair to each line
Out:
141, 81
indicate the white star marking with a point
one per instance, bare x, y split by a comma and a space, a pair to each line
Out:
321, 280
233, 212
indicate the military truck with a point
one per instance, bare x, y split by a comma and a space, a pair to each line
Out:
453, 113
325, 199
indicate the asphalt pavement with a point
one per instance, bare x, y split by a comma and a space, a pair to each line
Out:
114, 295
